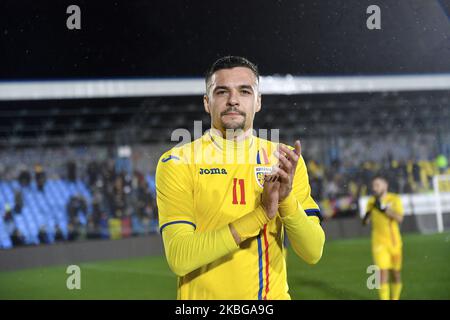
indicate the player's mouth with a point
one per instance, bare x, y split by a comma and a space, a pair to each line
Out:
232, 114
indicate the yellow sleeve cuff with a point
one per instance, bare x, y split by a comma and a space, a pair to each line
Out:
228, 239
251, 224
288, 206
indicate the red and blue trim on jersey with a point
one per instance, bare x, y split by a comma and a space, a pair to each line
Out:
263, 265
175, 222
263, 247
314, 213
264, 156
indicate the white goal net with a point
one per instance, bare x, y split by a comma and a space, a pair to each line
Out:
441, 186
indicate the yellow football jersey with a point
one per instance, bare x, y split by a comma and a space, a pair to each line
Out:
210, 183
384, 229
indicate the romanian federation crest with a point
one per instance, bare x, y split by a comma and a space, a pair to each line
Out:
259, 174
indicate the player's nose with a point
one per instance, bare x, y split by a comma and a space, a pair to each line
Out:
233, 98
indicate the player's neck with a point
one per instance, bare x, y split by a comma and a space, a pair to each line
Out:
233, 135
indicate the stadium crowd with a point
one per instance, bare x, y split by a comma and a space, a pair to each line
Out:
338, 187
121, 203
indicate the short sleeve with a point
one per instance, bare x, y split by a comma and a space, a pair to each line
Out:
174, 191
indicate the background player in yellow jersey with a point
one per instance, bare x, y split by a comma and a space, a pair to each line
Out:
227, 199
385, 210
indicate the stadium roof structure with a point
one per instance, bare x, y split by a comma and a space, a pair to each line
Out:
151, 119
104, 88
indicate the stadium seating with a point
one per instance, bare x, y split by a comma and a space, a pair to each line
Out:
41, 209
46, 211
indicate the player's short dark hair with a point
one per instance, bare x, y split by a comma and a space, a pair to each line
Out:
229, 62
380, 176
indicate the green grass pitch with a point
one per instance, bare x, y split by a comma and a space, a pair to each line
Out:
341, 274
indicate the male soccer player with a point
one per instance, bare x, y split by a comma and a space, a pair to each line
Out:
385, 209
226, 199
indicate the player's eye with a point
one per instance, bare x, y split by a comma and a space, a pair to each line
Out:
246, 92
220, 92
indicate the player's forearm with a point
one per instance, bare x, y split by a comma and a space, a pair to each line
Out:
187, 250
249, 225
305, 233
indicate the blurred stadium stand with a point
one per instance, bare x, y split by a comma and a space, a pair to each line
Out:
346, 139
45, 216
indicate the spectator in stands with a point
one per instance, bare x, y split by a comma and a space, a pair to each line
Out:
119, 196
8, 216
402, 176
18, 201
415, 175
73, 231
40, 177
24, 178
316, 187
43, 236
105, 184
441, 163
393, 176
92, 173
108, 172
72, 209
93, 228
97, 207
77, 204
103, 224
71, 171
59, 236
146, 218
8, 219
332, 187
17, 238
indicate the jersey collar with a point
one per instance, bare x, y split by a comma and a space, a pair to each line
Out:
221, 143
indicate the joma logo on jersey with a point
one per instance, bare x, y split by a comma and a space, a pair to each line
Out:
213, 171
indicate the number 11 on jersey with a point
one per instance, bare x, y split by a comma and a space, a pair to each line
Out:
238, 183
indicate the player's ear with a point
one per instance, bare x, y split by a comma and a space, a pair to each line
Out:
206, 103
258, 103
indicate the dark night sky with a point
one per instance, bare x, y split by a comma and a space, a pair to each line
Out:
181, 38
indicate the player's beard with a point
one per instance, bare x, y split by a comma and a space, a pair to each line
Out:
379, 194
233, 125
